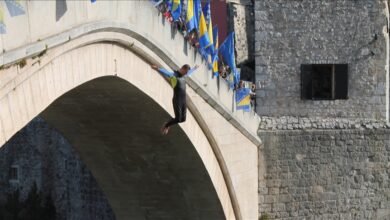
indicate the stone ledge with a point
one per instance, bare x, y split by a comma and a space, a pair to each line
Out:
303, 123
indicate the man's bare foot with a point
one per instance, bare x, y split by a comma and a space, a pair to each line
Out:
164, 129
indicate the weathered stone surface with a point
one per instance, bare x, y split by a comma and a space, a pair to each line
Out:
339, 174
44, 156
242, 18
242, 22
324, 159
305, 123
143, 41
291, 33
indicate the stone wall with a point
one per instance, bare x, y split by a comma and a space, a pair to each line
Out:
242, 19
44, 156
326, 174
298, 123
242, 22
291, 33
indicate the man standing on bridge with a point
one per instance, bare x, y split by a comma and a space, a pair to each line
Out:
178, 83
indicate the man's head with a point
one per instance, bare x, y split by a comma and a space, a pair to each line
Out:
184, 69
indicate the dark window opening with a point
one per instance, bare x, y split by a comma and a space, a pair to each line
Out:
324, 81
14, 175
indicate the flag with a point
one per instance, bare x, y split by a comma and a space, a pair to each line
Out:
176, 10
205, 55
154, 2
197, 11
215, 54
191, 19
207, 15
230, 79
215, 40
207, 12
204, 39
2, 24
14, 7
169, 4
210, 47
237, 76
61, 9
215, 66
227, 51
243, 99
209, 50
93, 1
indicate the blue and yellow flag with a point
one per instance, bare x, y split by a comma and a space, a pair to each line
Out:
215, 54
191, 19
215, 35
176, 10
2, 24
210, 47
204, 40
215, 66
230, 79
197, 11
227, 51
243, 99
207, 16
169, 4
207, 12
15, 8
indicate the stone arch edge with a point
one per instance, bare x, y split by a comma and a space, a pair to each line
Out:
139, 50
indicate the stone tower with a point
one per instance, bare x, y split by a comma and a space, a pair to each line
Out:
323, 95
290, 35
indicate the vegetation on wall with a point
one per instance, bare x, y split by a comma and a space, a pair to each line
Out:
34, 207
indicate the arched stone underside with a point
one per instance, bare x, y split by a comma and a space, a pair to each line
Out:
86, 61
228, 156
115, 128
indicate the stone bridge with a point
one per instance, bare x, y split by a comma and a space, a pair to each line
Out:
85, 69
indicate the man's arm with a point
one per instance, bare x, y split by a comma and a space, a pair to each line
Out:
192, 70
166, 73
163, 71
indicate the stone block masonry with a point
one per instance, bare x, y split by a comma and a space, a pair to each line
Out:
326, 174
324, 159
299, 123
45, 157
242, 21
291, 33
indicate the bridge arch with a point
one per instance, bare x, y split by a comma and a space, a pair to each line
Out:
108, 55
114, 126
108, 39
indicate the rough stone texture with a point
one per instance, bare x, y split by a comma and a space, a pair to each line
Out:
67, 65
316, 174
291, 33
324, 159
299, 123
44, 156
242, 20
